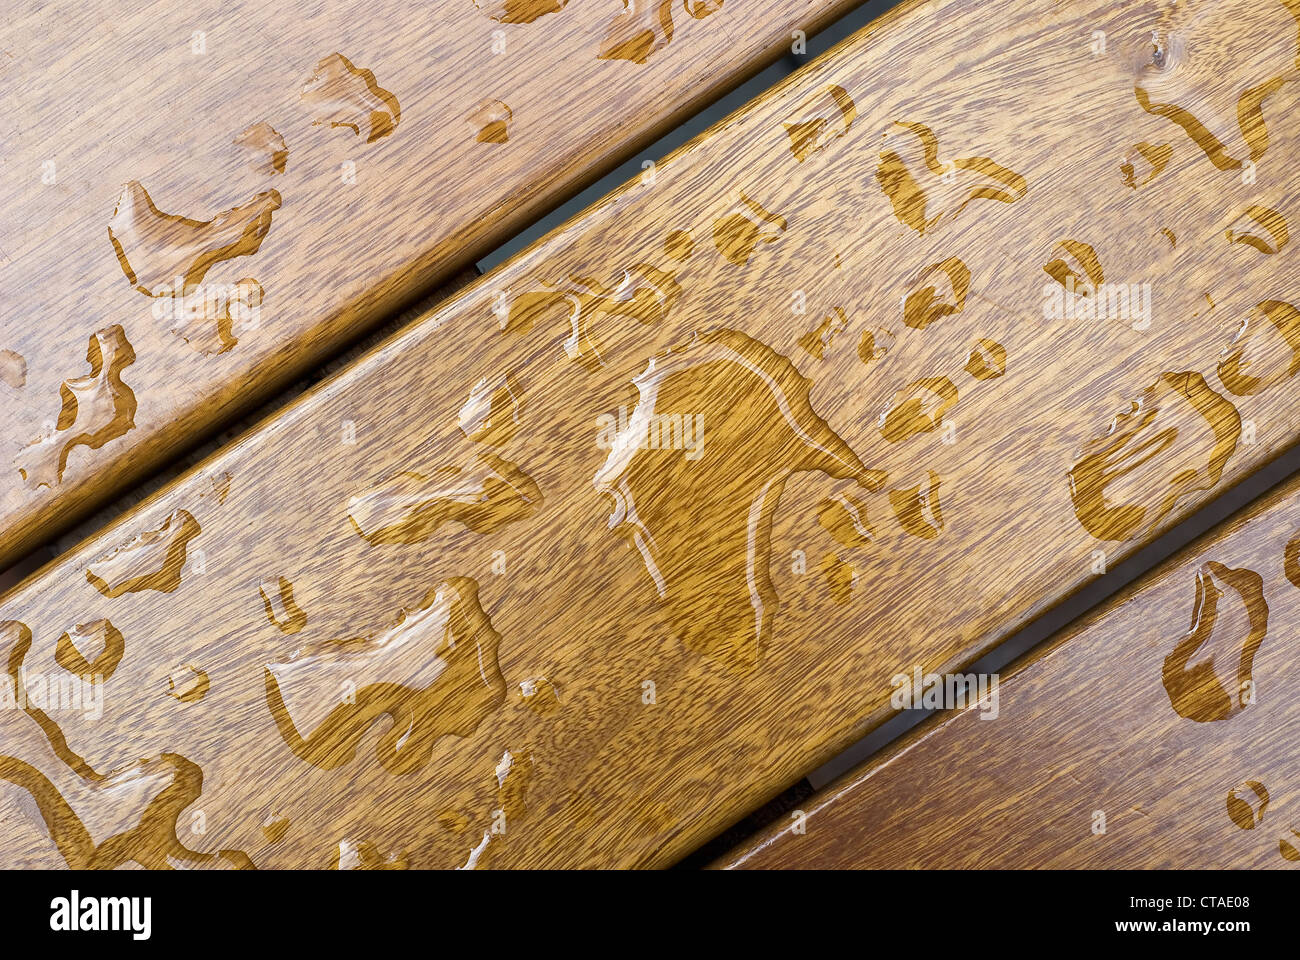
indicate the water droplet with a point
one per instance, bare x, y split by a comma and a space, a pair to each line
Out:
155, 249
1265, 349
917, 508
280, 607
710, 568
491, 414
539, 695
867, 347
1145, 162
17, 637
1291, 560
1212, 79
1288, 850
519, 11
924, 191
274, 827
434, 674
188, 684
918, 408
988, 360
218, 486
644, 293
824, 117
211, 318
815, 342
13, 369
743, 228
152, 560
513, 774
874, 345
98, 635
679, 245
1219, 637
362, 855
939, 291
490, 121
1261, 228
1247, 803
845, 518
1083, 256
97, 408
267, 150
1172, 442
484, 495
104, 821
340, 95
646, 26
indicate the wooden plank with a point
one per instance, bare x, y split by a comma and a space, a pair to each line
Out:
140, 492
308, 169
653, 638
1131, 740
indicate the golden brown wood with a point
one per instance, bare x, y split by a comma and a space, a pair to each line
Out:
139, 492
301, 172
1171, 737
651, 639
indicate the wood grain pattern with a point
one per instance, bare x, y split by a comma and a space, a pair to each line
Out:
655, 616
1178, 735
230, 142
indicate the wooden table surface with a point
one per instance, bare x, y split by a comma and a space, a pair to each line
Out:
303, 171
633, 532
1157, 733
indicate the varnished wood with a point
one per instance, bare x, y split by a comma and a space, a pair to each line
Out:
341, 155
1163, 718
139, 492
651, 641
